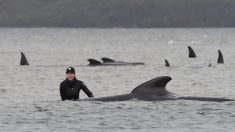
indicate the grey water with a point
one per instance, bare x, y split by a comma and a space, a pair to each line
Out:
30, 99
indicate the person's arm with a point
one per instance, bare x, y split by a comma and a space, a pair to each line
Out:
62, 92
87, 91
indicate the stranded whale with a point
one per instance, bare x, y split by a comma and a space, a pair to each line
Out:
111, 62
23, 60
191, 52
220, 58
167, 64
154, 90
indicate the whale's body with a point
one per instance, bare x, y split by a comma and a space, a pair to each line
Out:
154, 90
111, 62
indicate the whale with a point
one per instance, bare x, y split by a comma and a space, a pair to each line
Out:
111, 62
107, 60
23, 60
167, 64
154, 90
220, 58
93, 62
191, 54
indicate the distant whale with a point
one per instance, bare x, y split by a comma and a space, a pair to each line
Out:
167, 64
111, 62
107, 60
153, 90
220, 58
23, 60
192, 54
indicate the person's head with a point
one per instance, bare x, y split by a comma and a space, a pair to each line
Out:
70, 73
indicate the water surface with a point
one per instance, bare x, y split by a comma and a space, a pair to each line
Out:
29, 95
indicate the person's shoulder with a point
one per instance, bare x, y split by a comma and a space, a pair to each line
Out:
63, 82
80, 82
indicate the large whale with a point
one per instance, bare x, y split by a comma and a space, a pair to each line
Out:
154, 90
23, 60
111, 62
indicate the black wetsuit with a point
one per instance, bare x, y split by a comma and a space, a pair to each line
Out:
69, 90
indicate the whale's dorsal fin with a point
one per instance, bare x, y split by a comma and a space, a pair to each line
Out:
167, 64
23, 60
191, 52
107, 60
220, 58
94, 62
156, 86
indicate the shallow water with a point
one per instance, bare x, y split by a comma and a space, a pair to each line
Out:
29, 95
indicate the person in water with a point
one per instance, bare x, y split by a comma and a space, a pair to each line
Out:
70, 87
